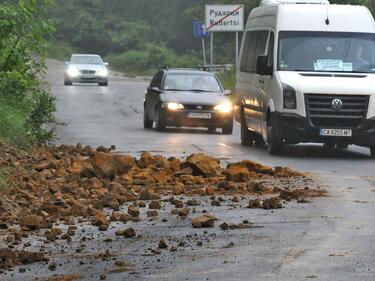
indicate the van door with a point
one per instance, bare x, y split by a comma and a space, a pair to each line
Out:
153, 96
264, 84
247, 91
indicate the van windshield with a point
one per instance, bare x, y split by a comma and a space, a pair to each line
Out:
326, 52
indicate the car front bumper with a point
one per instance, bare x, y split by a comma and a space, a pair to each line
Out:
179, 118
87, 79
293, 128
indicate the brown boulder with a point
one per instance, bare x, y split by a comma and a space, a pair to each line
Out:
203, 221
33, 222
148, 194
272, 203
155, 205
108, 165
237, 174
133, 211
203, 165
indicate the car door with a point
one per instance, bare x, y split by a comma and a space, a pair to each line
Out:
152, 95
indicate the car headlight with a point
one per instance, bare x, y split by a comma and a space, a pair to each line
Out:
173, 106
289, 94
226, 107
73, 71
102, 72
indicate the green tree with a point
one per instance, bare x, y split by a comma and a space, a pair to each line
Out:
23, 33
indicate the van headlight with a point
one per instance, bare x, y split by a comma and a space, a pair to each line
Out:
226, 107
73, 71
290, 101
102, 72
172, 106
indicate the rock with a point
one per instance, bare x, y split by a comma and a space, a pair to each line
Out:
148, 194
183, 212
257, 187
33, 222
254, 204
177, 203
152, 213
129, 233
272, 203
215, 203
226, 185
52, 266
147, 159
237, 174
203, 221
193, 202
155, 205
133, 211
107, 165
224, 226
210, 191
162, 244
203, 165
141, 204
102, 149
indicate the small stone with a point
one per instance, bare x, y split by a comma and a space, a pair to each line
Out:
52, 266
155, 205
203, 221
162, 244
224, 226
129, 233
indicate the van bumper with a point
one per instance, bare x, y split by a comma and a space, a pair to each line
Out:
293, 129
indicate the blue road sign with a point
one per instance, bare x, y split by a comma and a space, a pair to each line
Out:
200, 30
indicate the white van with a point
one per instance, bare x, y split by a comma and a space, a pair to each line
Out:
307, 74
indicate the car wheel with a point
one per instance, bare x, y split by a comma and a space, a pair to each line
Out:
211, 129
68, 83
274, 144
228, 129
372, 150
103, 84
329, 146
342, 146
147, 123
247, 136
160, 122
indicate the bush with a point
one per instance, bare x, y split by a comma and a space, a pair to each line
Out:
26, 106
59, 50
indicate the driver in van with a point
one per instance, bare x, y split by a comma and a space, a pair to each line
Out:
359, 63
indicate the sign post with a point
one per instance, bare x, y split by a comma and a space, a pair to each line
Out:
200, 32
225, 18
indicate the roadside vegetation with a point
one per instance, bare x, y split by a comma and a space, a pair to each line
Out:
25, 105
138, 37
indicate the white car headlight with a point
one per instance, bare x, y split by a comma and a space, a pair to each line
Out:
173, 106
102, 72
226, 107
73, 71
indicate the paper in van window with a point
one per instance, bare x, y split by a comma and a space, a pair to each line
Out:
333, 65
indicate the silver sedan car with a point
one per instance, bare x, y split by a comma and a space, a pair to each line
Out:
83, 68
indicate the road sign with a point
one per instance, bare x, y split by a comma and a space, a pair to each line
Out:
200, 29
221, 18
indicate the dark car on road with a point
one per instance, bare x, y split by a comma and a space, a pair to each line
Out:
187, 98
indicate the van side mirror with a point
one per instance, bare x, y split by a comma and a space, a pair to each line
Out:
262, 66
156, 89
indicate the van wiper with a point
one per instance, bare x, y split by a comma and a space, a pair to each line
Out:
198, 90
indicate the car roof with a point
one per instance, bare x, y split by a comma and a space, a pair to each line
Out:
85, 55
186, 71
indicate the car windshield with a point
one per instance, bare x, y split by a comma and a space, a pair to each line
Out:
191, 82
86, 60
326, 52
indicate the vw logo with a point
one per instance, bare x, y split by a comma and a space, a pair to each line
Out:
199, 107
337, 104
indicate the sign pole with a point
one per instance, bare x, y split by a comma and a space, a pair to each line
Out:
237, 63
204, 52
212, 49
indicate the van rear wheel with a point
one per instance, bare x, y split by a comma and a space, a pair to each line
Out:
160, 122
147, 123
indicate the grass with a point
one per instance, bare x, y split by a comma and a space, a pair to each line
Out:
59, 50
13, 122
228, 79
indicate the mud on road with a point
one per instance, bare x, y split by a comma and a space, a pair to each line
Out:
69, 208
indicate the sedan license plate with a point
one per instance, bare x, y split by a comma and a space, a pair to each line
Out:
336, 132
196, 115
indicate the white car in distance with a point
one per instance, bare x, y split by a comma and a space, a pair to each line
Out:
85, 68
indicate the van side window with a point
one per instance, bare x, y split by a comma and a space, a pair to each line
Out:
254, 45
156, 82
271, 45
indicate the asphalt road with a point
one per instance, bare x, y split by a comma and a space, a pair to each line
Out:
331, 238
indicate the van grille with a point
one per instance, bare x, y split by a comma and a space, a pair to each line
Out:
198, 107
88, 71
321, 113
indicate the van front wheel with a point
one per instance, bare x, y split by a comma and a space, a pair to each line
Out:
274, 144
247, 136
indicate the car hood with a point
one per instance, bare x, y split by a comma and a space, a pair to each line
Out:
94, 67
201, 98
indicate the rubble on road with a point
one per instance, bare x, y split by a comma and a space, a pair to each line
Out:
62, 183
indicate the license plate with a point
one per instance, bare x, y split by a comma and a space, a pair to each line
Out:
336, 132
196, 115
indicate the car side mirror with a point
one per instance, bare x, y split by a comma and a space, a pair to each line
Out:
156, 89
66, 62
106, 63
262, 66
227, 92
